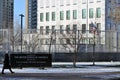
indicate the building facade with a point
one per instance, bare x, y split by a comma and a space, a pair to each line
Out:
6, 14
31, 14
6, 23
75, 15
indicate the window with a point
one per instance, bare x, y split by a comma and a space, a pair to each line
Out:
41, 41
53, 41
83, 13
41, 29
47, 41
61, 29
68, 15
90, 28
53, 29
41, 17
67, 41
68, 29
83, 28
108, 12
74, 28
47, 16
74, 14
61, 41
91, 13
98, 12
53, 16
99, 26
47, 29
61, 15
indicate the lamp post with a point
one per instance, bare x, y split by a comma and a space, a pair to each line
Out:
21, 15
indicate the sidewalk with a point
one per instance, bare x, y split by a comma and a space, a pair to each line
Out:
102, 71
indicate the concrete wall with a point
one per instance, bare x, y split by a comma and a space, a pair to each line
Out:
81, 57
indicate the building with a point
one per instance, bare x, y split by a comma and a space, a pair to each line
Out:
6, 21
31, 14
74, 15
6, 14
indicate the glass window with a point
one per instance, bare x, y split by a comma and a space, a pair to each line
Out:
47, 41
67, 41
108, 12
91, 13
47, 16
83, 28
61, 15
68, 29
53, 29
53, 16
41, 17
47, 29
53, 41
61, 29
61, 41
99, 26
90, 28
83, 13
74, 28
41, 41
68, 15
74, 14
98, 12
41, 29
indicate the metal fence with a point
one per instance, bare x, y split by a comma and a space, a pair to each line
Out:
55, 41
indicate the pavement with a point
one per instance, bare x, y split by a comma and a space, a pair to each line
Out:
65, 71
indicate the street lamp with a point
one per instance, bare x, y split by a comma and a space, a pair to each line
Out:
21, 15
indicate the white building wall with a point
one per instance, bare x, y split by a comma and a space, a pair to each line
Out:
61, 5
64, 5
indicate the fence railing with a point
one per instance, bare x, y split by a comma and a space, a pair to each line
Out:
60, 41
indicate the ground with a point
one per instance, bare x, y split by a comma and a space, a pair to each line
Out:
65, 71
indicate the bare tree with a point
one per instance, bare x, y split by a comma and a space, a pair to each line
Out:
72, 39
32, 43
15, 39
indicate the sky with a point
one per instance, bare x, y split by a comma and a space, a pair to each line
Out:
19, 8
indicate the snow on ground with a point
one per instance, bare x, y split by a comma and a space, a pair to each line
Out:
83, 69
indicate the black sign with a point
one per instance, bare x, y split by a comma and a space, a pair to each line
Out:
31, 60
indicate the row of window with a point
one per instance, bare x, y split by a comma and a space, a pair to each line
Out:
70, 41
74, 12
68, 29
53, 3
